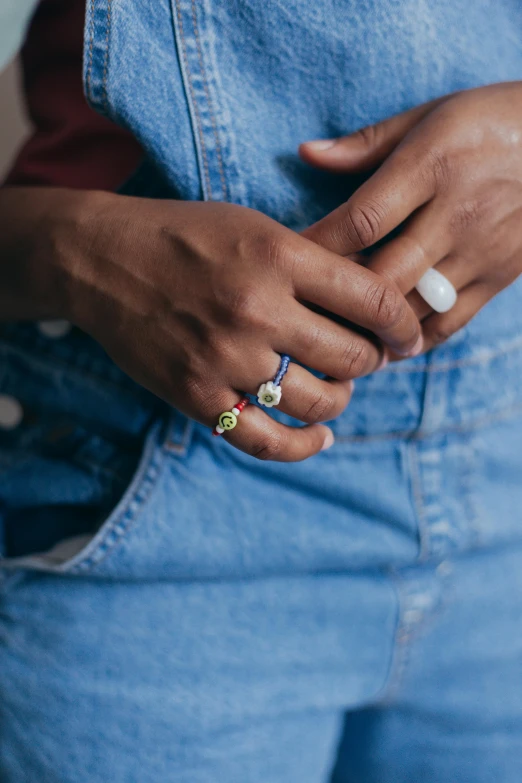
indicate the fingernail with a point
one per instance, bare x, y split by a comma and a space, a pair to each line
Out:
384, 361
328, 441
320, 146
417, 348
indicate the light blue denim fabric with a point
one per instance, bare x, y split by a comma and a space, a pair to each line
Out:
355, 617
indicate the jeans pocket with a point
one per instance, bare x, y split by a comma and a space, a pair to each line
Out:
79, 456
67, 493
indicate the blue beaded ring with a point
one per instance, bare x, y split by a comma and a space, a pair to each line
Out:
270, 393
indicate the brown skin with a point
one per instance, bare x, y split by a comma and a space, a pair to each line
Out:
452, 169
196, 301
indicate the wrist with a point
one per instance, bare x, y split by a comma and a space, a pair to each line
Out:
42, 233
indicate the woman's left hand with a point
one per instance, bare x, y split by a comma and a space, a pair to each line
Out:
451, 171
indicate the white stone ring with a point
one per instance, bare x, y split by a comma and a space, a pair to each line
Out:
437, 291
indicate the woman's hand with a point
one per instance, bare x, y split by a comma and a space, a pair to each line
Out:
196, 301
452, 169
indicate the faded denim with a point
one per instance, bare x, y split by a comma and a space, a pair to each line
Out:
355, 617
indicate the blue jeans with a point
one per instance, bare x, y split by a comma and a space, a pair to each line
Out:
171, 609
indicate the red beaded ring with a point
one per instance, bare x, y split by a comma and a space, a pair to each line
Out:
228, 419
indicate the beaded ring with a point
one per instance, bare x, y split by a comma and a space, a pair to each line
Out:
228, 419
270, 393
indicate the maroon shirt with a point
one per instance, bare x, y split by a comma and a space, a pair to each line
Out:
71, 145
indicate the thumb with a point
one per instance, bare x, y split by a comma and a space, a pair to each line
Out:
368, 147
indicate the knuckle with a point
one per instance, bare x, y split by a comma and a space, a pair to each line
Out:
198, 390
385, 307
465, 215
269, 447
220, 352
439, 168
276, 251
353, 361
272, 247
320, 409
363, 223
197, 396
246, 309
370, 135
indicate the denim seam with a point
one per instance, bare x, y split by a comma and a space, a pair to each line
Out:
121, 525
110, 533
73, 370
225, 115
106, 58
469, 474
476, 513
400, 653
196, 113
98, 17
113, 531
209, 102
381, 694
418, 502
418, 435
406, 634
91, 45
482, 357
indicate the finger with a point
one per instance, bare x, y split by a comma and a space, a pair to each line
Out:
457, 269
421, 244
264, 438
253, 430
367, 147
331, 348
439, 327
407, 180
349, 290
306, 397
313, 400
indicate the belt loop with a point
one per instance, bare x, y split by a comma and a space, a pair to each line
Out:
178, 433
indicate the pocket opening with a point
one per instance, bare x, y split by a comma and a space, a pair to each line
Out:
78, 553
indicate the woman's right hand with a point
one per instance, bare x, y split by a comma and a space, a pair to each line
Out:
196, 301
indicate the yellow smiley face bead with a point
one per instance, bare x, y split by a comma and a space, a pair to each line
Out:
227, 420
